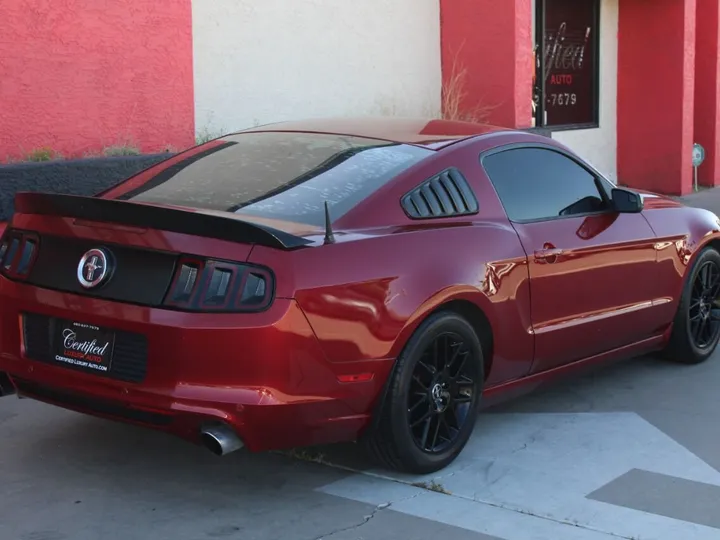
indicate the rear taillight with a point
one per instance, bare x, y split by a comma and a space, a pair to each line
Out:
219, 286
18, 251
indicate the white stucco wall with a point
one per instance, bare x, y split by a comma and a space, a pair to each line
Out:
260, 61
599, 146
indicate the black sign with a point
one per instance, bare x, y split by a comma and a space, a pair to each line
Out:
570, 62
83, 346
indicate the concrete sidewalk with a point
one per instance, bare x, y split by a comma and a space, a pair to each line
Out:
631, 451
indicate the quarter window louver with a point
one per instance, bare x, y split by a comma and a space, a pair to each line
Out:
445, 195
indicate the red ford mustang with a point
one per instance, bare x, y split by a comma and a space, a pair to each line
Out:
317, 282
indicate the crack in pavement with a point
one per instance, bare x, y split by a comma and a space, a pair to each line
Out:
532, 438
424, 491
519, 510
460, 470
366, 519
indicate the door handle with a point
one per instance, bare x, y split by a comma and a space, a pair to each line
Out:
548, 255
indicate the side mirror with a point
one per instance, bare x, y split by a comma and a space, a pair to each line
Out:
626, 202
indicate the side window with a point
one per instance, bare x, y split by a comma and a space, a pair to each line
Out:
536, 184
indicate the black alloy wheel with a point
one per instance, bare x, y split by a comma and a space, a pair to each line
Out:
696, 328
703, 312
442, 393
431, 404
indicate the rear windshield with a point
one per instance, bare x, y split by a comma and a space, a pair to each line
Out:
278, 175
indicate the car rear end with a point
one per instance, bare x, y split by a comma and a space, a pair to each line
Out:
174, 338
144, 304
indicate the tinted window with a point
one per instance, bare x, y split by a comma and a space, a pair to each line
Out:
533, 183
284, 176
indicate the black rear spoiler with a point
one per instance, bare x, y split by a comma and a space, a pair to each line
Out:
194, 222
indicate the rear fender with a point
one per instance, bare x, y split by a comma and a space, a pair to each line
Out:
364, 299
436, 303
432, 305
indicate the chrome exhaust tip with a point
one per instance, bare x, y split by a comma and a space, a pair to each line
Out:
220, 439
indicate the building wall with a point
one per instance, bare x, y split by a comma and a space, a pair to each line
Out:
487, 61
79, 75
259, 62
707, 89
656, 94
599, 146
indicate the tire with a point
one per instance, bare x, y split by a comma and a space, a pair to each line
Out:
686, 345
446, 415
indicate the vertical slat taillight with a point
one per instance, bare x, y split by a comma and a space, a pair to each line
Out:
211, 285
18, 251
184, 283
256, 288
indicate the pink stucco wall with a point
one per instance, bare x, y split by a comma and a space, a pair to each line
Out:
489, 42
80, 75
707, 89
656, 81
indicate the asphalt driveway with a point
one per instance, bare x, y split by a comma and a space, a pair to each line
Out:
629, 451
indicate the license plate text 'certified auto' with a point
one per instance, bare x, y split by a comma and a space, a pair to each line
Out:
83, 345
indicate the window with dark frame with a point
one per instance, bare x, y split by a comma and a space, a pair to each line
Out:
567, 67
536, 184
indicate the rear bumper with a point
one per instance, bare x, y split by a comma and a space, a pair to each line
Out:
259, 427
263, 374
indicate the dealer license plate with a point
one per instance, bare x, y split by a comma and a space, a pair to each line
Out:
83, 346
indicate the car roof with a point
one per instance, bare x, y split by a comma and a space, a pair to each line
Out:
430, 133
